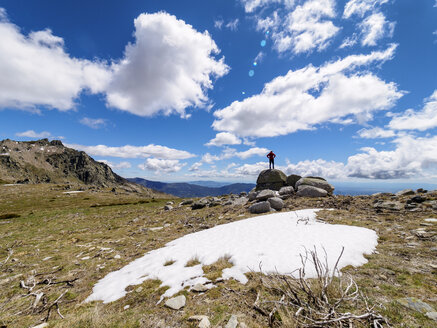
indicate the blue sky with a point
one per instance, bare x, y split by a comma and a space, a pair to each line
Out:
202, 90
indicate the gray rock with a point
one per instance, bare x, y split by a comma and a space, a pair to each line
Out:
43, 325
292, 179
265, 194
199, 288
233, 322
169, 203
432, 315
318, 183
186, 202
203, 320
261, 207
243, 193
201, 203
276, 203
168, 208
240, 201
252, 195
212, 204
271, 179
176, 303
286, 190
310, 191
313, 177
393, 206
415, 304
405, 192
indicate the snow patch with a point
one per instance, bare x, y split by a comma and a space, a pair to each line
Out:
273, 241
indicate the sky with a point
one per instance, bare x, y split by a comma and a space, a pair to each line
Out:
202, 90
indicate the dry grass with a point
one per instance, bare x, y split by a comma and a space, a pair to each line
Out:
192, 262
64, 242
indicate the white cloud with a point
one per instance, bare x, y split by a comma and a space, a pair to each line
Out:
209, 159
94, 123
259, 57
167, 69
33, 134
312, 95
305, 28
195, 167
412, 157
375, 27
376, 132
256, 151
233, 24
349, 41
252, 169
161, 165
319, 167
219, 23
116, 166
361, 7
36, 71
232, 152
417, 120
252, 5
224, 138
128, 151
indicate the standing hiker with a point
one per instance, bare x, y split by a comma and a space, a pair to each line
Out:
271, 156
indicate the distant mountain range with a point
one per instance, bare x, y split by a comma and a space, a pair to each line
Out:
183, 189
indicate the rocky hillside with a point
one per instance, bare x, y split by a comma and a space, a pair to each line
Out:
45, 161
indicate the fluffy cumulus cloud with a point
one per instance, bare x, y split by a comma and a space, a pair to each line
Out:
376, 132
224, 138
319, 167
228, 153
33, 134
157, 151
334, 92
94, 123
252, 5
116, 166
421, 120
162, 165
374, 28
302, 28
35, 70
412, 157
168, 68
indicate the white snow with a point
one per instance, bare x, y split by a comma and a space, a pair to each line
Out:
274, 241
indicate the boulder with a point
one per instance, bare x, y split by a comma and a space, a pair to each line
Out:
393, 206
405, 192
240, 201
319, 178
265, 194
310, 191
321, 184
168, 208
261, 207
286, 190
276, 203
252, 195
271, 179
186, 202
292, 179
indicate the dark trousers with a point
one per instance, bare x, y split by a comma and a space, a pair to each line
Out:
271, 163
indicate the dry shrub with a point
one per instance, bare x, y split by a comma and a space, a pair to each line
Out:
329, 300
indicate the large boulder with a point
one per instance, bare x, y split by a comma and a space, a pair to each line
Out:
276, 203
310, 191
292, 179
271, 179
289, 190
315, 182
261, 207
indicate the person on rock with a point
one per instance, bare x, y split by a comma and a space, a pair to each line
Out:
271, 156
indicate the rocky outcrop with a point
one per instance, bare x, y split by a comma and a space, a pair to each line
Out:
45, 161
315, 182
271, 179
292, 179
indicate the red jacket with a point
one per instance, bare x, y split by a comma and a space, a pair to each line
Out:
271, 155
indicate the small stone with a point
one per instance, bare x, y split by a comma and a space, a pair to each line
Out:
233, 322
415, 304
432, 315
203, 320
43, 325
139, 289
430, 220
169, 203
126, 307
85, 258
199, 288
243, 325
47, 258
168, 208
176, 303
117, 256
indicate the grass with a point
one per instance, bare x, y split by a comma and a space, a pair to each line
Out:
58, 237
192, 262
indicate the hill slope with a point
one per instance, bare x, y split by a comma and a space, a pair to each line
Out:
192, 190
44, 161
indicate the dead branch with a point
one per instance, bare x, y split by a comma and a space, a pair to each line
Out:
56, 305
10, 252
